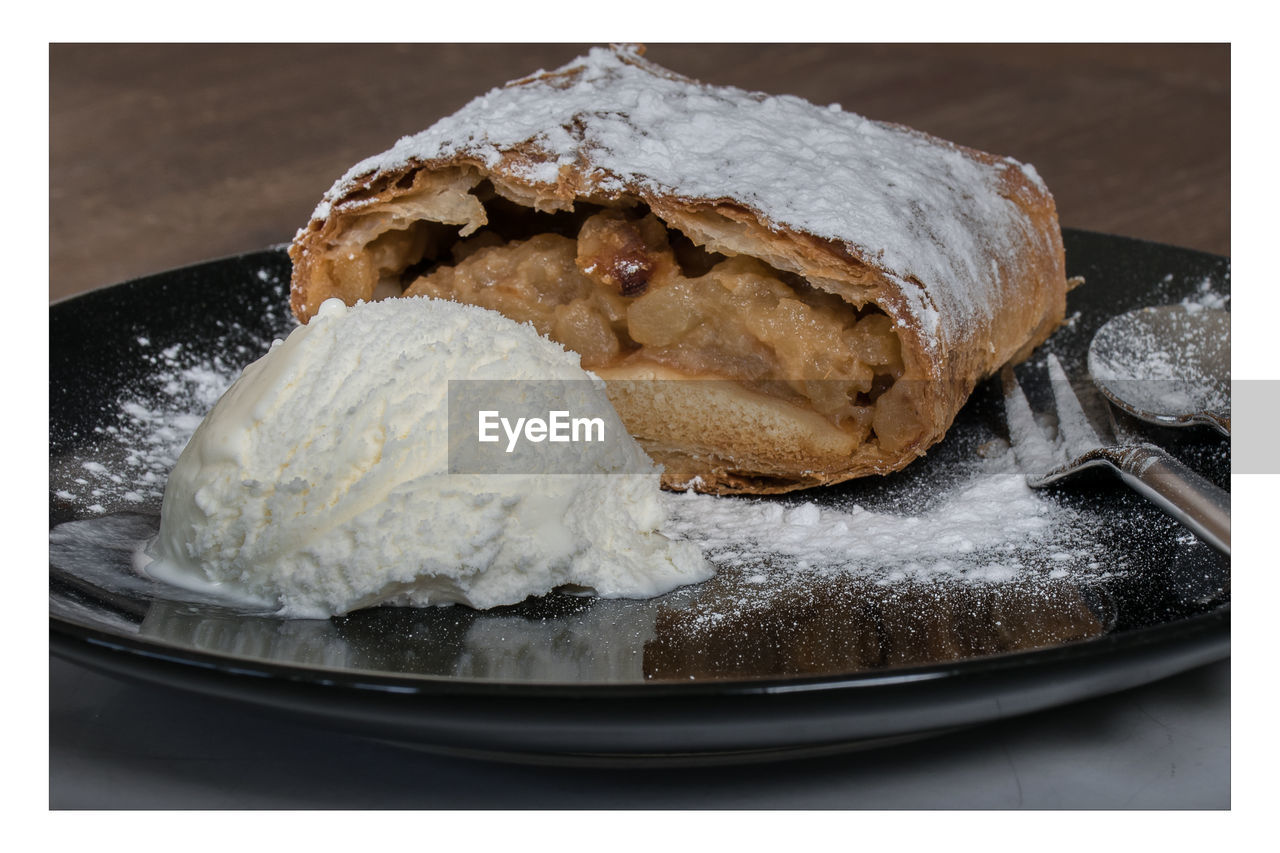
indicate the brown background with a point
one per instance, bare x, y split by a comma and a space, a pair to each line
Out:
164, 155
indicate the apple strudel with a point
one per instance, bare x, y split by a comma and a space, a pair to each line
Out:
838, 285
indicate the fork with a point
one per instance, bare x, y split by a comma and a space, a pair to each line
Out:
1087, 441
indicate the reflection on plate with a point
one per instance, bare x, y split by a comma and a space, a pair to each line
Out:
755, 662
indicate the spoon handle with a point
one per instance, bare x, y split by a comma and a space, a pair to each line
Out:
1197, 504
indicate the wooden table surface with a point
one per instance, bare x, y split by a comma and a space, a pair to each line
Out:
165, 155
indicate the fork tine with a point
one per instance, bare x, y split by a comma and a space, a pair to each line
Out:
1034, 452
1074, 426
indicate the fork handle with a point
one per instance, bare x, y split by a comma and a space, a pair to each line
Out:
1198, 504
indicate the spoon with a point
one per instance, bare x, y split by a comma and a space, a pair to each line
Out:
1169, 365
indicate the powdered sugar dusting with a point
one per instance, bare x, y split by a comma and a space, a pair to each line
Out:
989, 527
1205, 296
915, 206
126, 464
1195, 292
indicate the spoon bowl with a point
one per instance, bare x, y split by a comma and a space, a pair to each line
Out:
1169, 365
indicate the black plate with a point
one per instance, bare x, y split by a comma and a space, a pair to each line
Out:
835, 664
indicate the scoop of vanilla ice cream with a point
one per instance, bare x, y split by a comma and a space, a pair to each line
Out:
320, 482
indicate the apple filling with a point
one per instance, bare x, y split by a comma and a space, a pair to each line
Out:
620, 289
